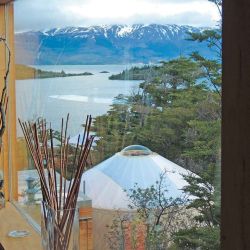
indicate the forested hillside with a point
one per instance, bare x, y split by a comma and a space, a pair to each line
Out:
176, 112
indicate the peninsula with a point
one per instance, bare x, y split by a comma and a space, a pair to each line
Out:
26, 72
136, 73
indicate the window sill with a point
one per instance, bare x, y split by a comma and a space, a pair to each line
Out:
11, 219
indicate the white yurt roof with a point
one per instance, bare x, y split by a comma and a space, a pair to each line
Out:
106, 183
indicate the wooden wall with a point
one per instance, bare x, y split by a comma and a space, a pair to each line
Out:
9, 142
86, 227
5, 1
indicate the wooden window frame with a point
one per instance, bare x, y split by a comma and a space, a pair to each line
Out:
8, 154
235, 182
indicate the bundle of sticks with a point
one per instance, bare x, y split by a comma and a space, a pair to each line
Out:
51, 162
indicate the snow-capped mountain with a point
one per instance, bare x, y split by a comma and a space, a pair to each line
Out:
106, 44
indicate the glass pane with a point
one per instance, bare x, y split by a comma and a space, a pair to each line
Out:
149, 73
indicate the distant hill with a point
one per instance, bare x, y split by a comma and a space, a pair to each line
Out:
115, 44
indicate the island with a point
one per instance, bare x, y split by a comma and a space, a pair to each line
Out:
104, 72
26, 72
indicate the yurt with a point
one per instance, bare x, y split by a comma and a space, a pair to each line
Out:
106, 183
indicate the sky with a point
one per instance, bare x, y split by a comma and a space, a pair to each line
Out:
41, 14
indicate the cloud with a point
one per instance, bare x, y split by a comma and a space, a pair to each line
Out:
192, 19
37, 15
173, 1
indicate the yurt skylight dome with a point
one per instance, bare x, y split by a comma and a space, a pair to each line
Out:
136, 150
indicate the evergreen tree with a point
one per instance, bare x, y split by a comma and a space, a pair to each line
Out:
203, 139
205, 236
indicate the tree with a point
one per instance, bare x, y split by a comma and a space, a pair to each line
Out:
203, 140
202, 144
181, 72
207, 203
115, 237
158, 216
203, 189
115, 127
211, 67
203, 238
173, 123
212, 71
158, 114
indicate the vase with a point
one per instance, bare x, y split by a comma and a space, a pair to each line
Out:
59, 228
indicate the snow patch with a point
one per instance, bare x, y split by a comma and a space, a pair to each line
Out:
125, 30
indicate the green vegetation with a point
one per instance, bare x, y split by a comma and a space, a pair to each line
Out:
207, 235
198, 238
162, 216
177, 71
158, 218
172, 114
136, 73
177, 115
171, 223
27, 72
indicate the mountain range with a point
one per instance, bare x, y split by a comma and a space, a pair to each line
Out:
114, 44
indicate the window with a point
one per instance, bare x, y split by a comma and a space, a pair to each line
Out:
134, 98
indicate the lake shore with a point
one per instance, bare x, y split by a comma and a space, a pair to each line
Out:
24, 72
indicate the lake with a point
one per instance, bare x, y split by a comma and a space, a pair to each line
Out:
53, 98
